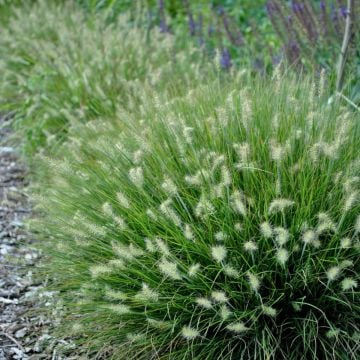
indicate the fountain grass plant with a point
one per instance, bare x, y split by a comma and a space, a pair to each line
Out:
222, 223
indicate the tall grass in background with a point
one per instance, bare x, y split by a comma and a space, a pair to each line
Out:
71, 66
221, 224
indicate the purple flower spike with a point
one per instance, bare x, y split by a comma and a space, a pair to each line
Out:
322, 5
343, 11
225, 59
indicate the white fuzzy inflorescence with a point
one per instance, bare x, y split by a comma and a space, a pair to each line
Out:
189, 333
169, 269
279, 205
219, 253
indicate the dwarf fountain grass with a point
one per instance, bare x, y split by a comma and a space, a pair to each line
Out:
252, 271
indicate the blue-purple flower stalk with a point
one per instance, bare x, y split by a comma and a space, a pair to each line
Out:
225, 59
163, 25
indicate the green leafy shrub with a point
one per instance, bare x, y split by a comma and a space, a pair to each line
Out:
220, 224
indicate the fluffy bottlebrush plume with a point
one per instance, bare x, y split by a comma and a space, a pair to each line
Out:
169, 186
325, 224
115, 295
351, 200
250, 246
204, 302
266, 230
333, 273
277, 152
269, 311
204, 208
345, 264
162, 246
282, 235
218, 253
136, 176
348, 284
158, 324
99, 270
150, 213
243, 152
333, 333
225, 176
169, 213
237, 202
193, 270
231, 272
126, 252
345, 243
189, 333
123, 200
225, 312
220, 236
138, 157
282, 256
238, 226
280, 205
147, 295
310, 237
169, 269
188, 232
357, 225
254, 281
117, 264
119, 309
135, 337
149, 245
246, 108
219, 296
237, 327
107, 210
187, 133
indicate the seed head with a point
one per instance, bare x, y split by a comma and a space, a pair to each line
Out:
146, 294
266, 230
204, 302
119, 309
309, 237
189, 333
169, 269
231, 271
169, 186
279, 205
345, 243
250, 246
254, 281
188, 233
269, 311
282, 256
136, 176
219, 296
333, 273
225, 312
219, 253
193, 270
348, 284
282, 235
220, 236
237, 327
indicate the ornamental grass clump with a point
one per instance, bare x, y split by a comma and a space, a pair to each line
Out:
221, 225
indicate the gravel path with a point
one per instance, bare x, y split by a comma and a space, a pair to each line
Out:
23, 331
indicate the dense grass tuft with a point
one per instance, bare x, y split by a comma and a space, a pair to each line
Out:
221, 224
